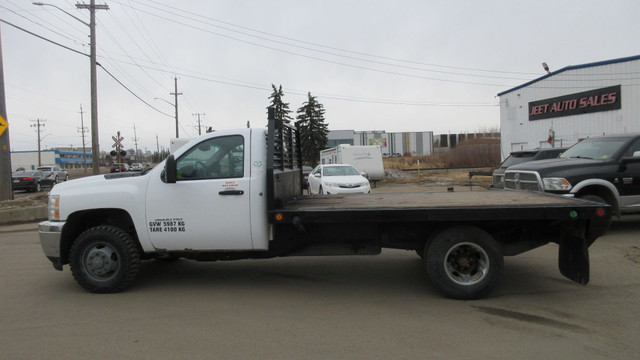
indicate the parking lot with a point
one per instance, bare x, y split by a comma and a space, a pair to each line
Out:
378, 307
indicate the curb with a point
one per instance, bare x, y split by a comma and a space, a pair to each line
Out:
23, 215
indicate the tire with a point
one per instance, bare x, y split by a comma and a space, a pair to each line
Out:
38, 187
465, 262
320, 191
55, 181
66, 177
104, 259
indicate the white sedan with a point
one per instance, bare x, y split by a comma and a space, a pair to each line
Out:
337, 179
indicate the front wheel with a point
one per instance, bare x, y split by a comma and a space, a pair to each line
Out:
465, 262
104, 259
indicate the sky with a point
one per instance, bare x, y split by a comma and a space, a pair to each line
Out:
397, 65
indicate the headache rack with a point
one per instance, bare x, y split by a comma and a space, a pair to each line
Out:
284, 162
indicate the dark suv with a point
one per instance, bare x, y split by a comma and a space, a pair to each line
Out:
603, 169
518, 157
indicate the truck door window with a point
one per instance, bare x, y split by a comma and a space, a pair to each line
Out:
633, 148
216, 158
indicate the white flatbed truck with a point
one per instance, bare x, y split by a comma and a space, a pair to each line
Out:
237, 194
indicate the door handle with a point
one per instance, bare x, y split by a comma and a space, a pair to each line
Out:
231, 192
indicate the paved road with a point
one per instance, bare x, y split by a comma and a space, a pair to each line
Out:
380, 307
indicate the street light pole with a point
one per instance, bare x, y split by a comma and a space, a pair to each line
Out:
95, 139
175, 105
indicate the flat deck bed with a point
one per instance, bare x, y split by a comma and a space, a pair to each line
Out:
412, 206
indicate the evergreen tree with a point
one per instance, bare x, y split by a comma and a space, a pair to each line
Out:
313, 130
281, 108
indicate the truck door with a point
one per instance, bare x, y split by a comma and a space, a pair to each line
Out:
629, 179
208, 206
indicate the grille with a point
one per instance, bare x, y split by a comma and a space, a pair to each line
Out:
522, 181
349, 186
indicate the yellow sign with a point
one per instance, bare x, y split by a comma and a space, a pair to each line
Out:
3, 125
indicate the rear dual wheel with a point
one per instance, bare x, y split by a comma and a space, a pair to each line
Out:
464, 262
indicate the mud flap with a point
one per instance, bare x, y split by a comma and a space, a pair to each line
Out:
573, 259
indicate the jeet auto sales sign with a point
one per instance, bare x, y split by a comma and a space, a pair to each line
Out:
604, 99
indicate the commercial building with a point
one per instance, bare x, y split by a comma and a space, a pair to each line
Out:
399, 143
570, 104
66, 159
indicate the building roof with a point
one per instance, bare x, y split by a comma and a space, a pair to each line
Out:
572, 67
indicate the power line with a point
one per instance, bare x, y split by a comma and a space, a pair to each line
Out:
209, 19
75, 51
323, 60
68, 36
43, 38
132, 93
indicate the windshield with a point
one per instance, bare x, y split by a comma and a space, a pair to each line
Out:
596, 148
340, 171
514, 159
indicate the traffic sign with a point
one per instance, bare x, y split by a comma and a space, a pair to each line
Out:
3, 125
117, 141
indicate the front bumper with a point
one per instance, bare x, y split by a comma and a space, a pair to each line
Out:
345, 190
50, 235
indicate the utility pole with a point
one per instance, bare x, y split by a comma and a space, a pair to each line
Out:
176, 93
95, 139
199, 123
135, 141
158, 149
38, 125
83, 130
6, 193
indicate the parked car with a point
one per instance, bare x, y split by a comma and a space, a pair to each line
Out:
519, 157
56, 172
122, 167
31, 180
337, 179
136, 167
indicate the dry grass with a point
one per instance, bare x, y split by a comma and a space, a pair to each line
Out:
472, 153
452, 177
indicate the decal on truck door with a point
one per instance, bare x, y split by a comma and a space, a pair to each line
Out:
167, 225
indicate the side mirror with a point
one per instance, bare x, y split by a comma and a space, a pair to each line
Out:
317, 175
630, 160
170, 170
636, 154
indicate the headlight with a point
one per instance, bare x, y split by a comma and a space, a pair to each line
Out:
54, 207
366, 183
551, 184
328, 184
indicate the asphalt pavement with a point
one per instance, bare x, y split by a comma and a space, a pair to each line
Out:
349, 307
